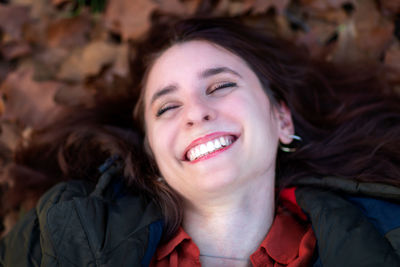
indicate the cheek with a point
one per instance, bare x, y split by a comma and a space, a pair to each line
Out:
162, 140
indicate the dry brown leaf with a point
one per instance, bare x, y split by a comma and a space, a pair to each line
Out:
392, 61
391, 6
1, 106
29, 102
59, 2
87, 61
172, 7
177, 7
4, 69
69, 32
333, 16
323, 5
47, 62
10, 135
365, 36
12, 20
346, 50
262, 6
316, 39
232, 8
74, 95
121, 64
130, 19
192, 6
374, 32
15, 49
238, 8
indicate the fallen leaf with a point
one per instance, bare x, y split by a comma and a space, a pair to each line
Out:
77, 95
391, 6
121, 63
1, 106
365, 36
232, 8
172, 7
323, 5
60, 2
177, 7
374, 32
69, 32
10, 135
4, 69
392, 61
238, 8
334, 16
28, 102
346, 49
87, 61
15, 49
130, 19
192, 6
47, 63
262, 6
12, 20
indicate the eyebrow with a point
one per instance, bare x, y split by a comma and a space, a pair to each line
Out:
214, 71
166, 90
204, 74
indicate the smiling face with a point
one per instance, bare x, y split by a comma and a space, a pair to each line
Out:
209, 123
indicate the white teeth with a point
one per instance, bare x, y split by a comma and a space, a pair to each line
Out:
210, 146
203, 149
217, 144
192, 155
223, 141
197, 152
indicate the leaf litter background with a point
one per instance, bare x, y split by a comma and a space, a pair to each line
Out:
57, 54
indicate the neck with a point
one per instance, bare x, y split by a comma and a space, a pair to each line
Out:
234, 226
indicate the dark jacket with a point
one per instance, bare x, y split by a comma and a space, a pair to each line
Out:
355, 224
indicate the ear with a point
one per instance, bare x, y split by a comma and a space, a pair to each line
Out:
285, 123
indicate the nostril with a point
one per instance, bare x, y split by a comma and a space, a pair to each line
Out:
207, 117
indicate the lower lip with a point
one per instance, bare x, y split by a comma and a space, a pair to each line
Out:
212, 154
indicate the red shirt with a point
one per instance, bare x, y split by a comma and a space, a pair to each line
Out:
289, 242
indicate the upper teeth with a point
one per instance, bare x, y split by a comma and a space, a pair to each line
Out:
206, 148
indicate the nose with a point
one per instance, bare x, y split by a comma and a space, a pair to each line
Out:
198, 112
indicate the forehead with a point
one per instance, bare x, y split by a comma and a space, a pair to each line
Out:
184, 61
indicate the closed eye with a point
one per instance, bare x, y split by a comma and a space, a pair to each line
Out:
162, 110
219, 86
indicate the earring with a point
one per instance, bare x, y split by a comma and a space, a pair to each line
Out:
160, 179
288, 149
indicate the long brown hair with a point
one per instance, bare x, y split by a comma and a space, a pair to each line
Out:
348, 118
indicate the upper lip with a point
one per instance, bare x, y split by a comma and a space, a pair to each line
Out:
204, 139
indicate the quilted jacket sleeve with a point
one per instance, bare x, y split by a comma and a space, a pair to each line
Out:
25, 244
21, 247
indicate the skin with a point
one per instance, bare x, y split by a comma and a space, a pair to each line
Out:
223, 194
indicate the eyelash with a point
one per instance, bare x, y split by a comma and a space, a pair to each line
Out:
212, 90
221, 86
164, 109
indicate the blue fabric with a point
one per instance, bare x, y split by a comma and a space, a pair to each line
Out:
155, 232
118, 189
107, 164
318, 263
384, 215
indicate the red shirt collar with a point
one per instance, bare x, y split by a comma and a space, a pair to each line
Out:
289, 240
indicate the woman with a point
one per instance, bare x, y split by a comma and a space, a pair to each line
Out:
227, 113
